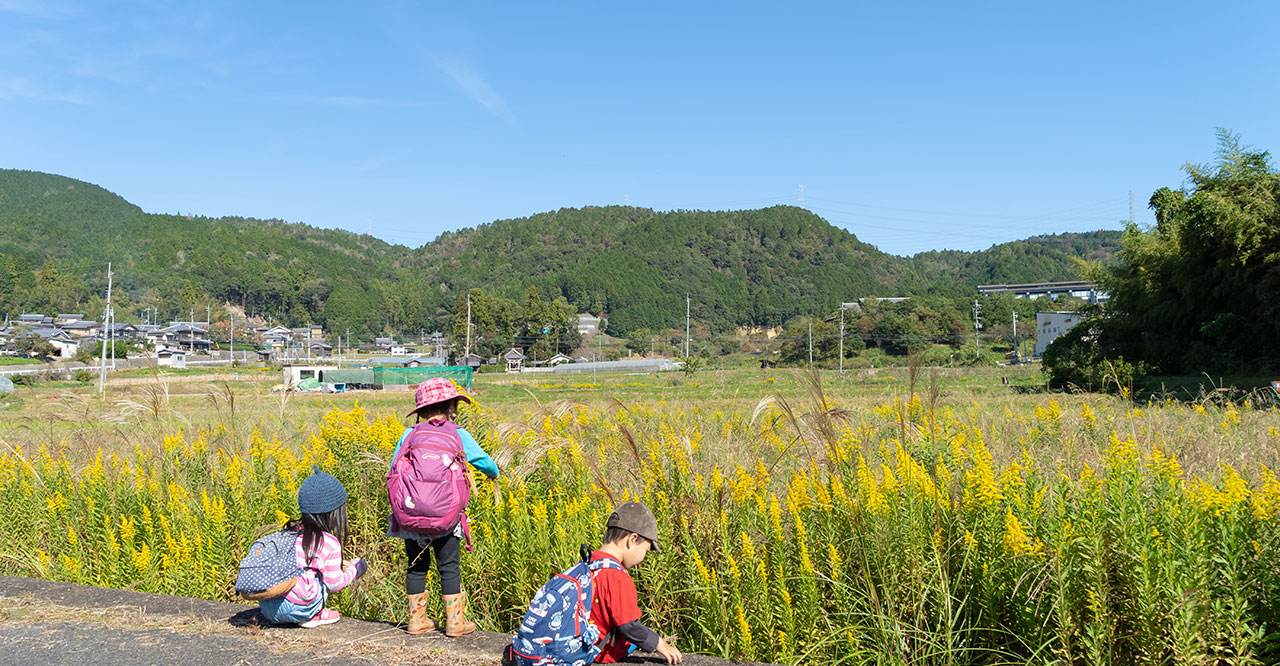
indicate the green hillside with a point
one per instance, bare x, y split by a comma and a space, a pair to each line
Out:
57, 235
1035, 259
740, 267
753, 267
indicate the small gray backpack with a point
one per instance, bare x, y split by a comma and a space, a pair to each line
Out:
271, 568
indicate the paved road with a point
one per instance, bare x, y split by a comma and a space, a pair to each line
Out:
76, 644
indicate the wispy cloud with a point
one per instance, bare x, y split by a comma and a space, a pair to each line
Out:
340, 101
474, 86
43, 9
24, 89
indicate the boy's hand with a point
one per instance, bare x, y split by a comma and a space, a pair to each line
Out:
668, 652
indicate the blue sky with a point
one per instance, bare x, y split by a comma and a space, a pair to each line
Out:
916, 126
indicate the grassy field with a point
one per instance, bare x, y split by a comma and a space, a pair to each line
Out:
15, 360
882, 516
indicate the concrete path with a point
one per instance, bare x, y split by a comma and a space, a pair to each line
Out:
44, 622
78, 644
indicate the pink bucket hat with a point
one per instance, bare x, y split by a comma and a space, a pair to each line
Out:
435, 390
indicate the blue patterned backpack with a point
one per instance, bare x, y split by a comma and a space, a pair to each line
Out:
271, 568
557, 628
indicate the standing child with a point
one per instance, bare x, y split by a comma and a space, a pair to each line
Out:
322, 530
429, 487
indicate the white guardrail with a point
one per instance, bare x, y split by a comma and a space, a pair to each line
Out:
127, 364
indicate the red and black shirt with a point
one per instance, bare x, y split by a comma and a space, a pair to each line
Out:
615, 611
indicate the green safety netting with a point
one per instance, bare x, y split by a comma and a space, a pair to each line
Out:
460, 374
349, 376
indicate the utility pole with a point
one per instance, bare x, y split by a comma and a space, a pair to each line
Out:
810, 344
599, 353
109, 335
977, 313
841, 337
467, 350
102, 357
1017, 357
686, 325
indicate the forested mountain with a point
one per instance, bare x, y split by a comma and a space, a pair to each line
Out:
57, 235
1039, 258
753, 267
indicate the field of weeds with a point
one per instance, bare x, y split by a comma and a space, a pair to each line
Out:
880, 517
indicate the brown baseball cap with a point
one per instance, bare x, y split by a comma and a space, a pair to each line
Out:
636, 517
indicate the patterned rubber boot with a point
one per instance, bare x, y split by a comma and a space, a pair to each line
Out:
419, 623
455, 608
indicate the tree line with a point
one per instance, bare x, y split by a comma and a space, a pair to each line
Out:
739, 268
1195, 293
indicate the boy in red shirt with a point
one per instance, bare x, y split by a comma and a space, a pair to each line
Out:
630, 534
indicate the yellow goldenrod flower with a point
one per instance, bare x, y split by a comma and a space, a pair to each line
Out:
704, 576
1016, 540
57, 503
141, 559
775, 518
71, 565
872, 498
744, 631
1089, 417
1265, 499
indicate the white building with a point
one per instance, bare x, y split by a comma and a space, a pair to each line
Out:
291, 375
171, 358
1081, 289
1049, 325
588, 323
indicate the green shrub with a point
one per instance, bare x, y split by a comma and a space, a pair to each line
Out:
1077, 359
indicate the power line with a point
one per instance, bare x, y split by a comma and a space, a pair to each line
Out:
1064, 214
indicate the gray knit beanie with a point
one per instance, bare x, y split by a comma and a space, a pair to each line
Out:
321, 493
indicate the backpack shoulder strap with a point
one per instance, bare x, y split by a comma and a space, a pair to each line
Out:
603, 563
444, 426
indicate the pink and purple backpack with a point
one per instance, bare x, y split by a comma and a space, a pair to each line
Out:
428, 483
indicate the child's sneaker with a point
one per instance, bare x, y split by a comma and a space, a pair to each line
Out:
325, 616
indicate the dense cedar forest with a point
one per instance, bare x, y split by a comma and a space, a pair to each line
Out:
740, 268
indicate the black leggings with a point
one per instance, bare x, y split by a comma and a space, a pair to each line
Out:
448, 548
